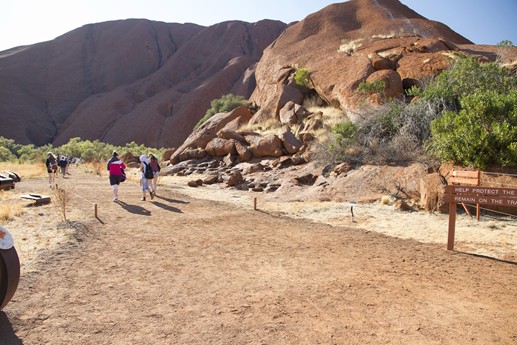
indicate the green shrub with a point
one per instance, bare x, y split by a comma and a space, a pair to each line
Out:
221, 105
371, 88
302, 77
483, 132
466, 77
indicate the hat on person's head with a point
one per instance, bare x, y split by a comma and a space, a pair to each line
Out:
115, 153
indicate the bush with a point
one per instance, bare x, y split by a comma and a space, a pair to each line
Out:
222, 105
466, 77
371, 88
302, 77
483, 132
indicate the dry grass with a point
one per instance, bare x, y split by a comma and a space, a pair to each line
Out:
25, 170
96, 168
349, 47
270, 126
9, 208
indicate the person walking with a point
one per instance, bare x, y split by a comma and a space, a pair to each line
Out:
146, 177
155, 167
51, 164
116, 168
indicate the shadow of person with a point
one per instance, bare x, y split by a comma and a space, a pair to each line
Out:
166, 207
171, 200
7, 335
134, 209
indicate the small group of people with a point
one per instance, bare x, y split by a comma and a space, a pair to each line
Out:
53, 163
148, 182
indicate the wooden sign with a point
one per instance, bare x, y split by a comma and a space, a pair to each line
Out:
482, 195
476, 195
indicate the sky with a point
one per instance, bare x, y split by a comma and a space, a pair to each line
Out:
25, 22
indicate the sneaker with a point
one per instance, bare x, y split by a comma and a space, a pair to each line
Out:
143, 199
115, 199
152, 195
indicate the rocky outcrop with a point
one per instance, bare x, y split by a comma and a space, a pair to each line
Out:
389, 33
129, 80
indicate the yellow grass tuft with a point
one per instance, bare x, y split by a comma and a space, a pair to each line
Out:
264, 128
349, 47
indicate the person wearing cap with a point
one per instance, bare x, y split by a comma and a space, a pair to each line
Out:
116, 168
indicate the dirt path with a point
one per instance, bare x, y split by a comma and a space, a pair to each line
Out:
179, 270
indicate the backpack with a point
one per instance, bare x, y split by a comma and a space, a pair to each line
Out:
148, 172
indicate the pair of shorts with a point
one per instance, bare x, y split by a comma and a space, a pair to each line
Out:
115, 179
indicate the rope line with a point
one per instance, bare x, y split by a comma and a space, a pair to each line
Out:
501, 174
493, 211
91, 202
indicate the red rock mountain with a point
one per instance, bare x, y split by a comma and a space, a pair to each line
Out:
131, 80
151, 82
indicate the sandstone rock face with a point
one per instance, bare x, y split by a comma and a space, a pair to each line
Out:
208, 131
388, 31
129, 80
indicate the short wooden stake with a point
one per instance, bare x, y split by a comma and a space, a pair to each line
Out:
95, 210
255, 203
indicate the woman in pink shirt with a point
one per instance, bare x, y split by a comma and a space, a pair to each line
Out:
116, 168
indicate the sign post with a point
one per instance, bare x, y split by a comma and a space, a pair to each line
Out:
506, 197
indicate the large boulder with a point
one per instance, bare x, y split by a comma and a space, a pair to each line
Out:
392, 82
290, 143
218, 147
268, 146
243, 151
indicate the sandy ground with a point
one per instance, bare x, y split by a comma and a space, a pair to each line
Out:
201, 266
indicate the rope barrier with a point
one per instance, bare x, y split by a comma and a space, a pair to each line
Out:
500, 184
494, 211
501, 174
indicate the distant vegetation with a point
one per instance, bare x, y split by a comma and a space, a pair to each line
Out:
88, 151
466, 115
222, 105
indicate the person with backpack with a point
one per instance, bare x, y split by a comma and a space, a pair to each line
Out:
147, 176
116, 168
155, 167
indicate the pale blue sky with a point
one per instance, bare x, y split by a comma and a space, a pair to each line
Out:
31, 21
